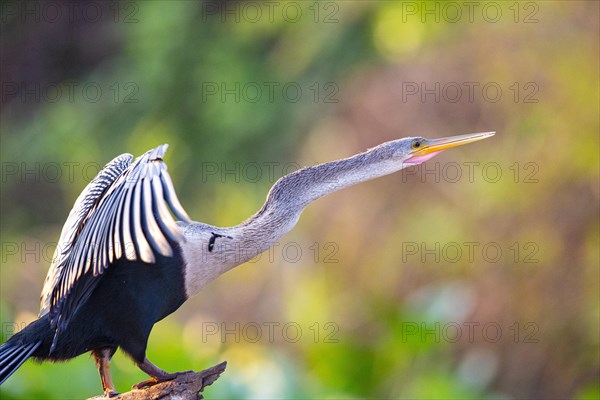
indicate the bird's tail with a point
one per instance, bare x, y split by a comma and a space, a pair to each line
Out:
20, 347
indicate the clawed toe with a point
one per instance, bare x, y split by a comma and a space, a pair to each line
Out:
111, 393
208, 376
158, 375
146, 383
155, 381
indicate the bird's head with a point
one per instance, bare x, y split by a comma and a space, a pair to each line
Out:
416, 150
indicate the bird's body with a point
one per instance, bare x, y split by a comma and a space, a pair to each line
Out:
123, 263
129, 299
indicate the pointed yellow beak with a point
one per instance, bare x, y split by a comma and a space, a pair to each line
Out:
428, 148
436, 145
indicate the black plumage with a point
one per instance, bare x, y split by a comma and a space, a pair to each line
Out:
120, 243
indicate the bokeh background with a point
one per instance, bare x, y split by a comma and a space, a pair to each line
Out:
473, 276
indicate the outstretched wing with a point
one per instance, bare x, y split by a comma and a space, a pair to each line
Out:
122, 213
83, 207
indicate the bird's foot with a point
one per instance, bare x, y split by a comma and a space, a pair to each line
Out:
187, 379
110, 393
156, 380
148, 383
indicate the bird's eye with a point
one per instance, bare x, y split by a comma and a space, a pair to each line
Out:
416, 144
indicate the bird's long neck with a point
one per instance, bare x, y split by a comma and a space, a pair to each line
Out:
281, 211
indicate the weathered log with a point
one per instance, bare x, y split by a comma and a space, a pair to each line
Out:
187, 386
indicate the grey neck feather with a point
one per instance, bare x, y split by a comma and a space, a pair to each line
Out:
279, 214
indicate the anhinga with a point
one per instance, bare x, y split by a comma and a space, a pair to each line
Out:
123, 263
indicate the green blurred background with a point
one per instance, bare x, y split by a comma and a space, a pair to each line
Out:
473, 276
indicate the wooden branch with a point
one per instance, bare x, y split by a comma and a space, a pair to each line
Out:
185, 387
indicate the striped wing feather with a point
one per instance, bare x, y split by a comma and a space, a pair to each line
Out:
125, 212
